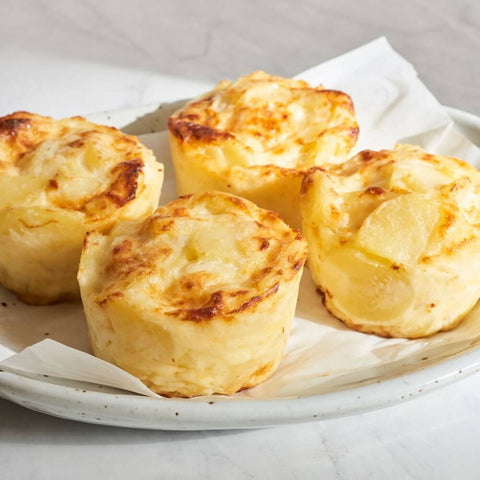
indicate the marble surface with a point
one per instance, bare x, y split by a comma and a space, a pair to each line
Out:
76, 57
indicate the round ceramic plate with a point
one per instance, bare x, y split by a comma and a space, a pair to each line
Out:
104, 405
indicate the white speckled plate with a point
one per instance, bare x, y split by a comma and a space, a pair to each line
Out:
104, 405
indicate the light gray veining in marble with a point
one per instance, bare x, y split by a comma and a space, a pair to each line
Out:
133, 44
75, 57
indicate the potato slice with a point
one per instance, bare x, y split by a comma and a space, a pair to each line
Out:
365, 287
399, 229
21, 190
43, 240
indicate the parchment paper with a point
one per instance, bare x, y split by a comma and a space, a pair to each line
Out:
393, 106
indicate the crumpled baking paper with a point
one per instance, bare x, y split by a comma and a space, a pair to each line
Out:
393, 106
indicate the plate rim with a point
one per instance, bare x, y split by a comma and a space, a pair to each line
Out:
135, 411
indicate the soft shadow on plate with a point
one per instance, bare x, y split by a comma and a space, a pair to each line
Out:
155, 121
22, 325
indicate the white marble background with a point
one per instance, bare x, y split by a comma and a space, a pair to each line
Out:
75, 57
66, 57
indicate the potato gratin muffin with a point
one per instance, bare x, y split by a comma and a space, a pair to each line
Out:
394, 240
198, 298
256, 138
57, 180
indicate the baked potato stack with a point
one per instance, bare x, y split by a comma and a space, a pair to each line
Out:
59, 179
394, 240
258, 136
196, 299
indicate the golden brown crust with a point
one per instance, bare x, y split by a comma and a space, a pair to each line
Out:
188, 131
258, 136
189, 296
11, 125
25, 135
271, 124
58, 179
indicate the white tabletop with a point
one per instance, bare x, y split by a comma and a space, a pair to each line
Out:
75, 57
